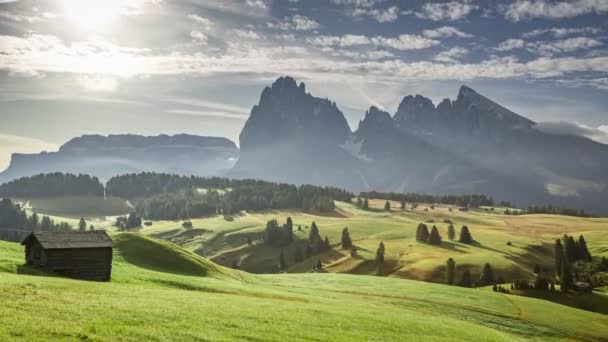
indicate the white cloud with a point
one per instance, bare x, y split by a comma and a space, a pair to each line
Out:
529, 9
404, 42
257, 4
561, 46
346, 40
97, 83
599, 134
198, 37
560, 32
380, 15
204, 23
247, 34
451, 55
446, 31
453, 10
510, 44
297, 22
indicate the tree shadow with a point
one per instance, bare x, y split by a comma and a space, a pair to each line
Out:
449, 245
479, 245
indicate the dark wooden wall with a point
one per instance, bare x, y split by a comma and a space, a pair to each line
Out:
84, 263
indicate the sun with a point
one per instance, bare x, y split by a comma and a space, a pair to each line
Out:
92, 15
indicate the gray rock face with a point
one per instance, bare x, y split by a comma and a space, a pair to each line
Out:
106, 156
286, 113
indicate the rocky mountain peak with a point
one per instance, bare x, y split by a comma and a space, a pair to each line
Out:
287, 113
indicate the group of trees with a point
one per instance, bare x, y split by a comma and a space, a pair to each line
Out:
549, 209
472, 200
423, 235
434, 238
128, 222
363, 203
52, 185
487, 276
569, 251
163, 196
276, 236
15, 224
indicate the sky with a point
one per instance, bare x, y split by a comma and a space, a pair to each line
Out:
74, 67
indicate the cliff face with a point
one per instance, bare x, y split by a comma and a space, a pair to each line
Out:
106, 156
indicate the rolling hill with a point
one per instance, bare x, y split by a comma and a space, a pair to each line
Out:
180, 296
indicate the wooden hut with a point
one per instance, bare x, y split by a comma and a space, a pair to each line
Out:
82, 255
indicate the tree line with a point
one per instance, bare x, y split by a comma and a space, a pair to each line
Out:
471, 200
52, 185
15, 224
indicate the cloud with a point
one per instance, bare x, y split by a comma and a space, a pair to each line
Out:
257, 4
402, 42
560, 32
247, 34
510, 44
530, 9
198, 37
219, 114
445, 31
453, 10
599, 134
561, 46
380, 15
48, 54
297, 22
204, 23
97, 83
451, 55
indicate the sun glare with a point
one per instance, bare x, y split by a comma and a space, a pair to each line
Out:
92, 15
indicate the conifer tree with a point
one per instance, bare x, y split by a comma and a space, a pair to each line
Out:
387, 206
435, 238
422, 233
379, 258
451, 232
537, 269
565, 277
402, 205
298, 255
282, 263
451, 271
353, 251
487, 275
326, 244
359, 202
82, 225
583, 250
365, 203
558, 254
346, 241
465, 235
465, 280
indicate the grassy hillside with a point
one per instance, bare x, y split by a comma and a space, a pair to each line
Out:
531, 237
76, 207
166, 297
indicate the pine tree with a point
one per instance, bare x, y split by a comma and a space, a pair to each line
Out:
365, 203
82, 225
487, 275
346, 241
583, 250
435, 238
422, 233
387, 206
451, 271
558, 254
451, 232
326, 244
353, 251
282, 264
359, 202
298, 255
569, 248
465, 235
537, 269
565, 277
465, 280
379, 258
402, 205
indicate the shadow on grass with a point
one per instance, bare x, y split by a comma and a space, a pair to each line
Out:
594, 302
449, 245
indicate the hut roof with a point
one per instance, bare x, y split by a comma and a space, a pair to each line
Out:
74, 239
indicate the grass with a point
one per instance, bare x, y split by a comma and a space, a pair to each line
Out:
75, 207
177, 295
531, 238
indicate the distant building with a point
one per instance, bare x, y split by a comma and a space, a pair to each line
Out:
81, 255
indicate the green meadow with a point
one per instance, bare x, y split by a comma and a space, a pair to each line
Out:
161, 292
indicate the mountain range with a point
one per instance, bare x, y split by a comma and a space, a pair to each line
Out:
467, 145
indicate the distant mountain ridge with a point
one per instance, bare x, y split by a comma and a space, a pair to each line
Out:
107, 156
467, 145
